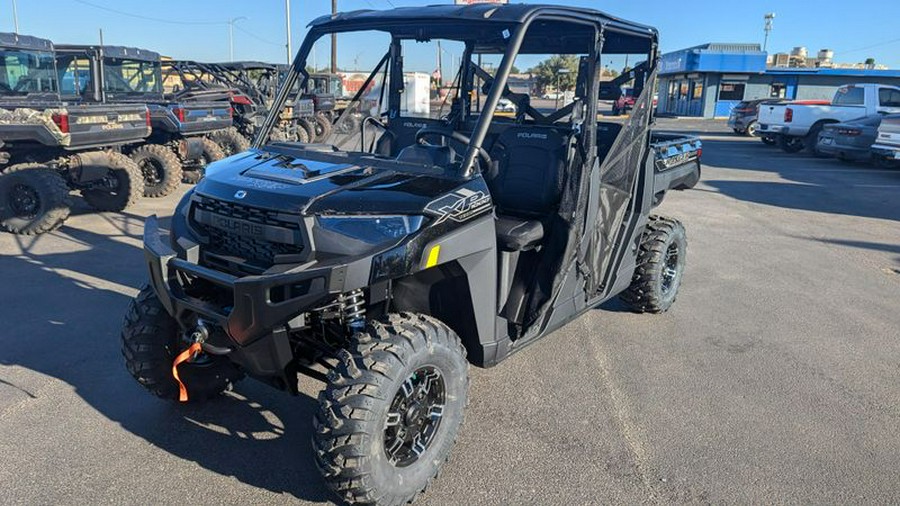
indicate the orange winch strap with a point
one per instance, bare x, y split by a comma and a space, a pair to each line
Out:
184, 356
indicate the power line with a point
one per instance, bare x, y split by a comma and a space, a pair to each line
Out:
873, 46
149, 18
257, 37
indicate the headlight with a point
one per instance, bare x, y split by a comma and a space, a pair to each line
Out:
372, 229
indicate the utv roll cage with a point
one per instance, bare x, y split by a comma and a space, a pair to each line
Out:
484, 28
68, 52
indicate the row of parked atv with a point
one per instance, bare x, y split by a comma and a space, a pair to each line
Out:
116, 124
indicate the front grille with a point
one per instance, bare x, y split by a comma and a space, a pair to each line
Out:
240, 247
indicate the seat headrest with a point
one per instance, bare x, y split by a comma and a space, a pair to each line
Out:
531, 136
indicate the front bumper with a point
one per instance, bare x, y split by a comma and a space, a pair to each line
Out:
260, 304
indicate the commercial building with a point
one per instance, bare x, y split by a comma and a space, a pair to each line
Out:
710, 79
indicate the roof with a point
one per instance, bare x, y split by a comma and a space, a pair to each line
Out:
247, 65
715, 57
464, 22
122, 52
828, 71
25, 42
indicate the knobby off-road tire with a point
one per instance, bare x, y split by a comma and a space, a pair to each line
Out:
160, 167
127, 185
34, 199
323, 128
150, 343
347, 125
371, 397
660, 266
210, 153
230, 141
309, 126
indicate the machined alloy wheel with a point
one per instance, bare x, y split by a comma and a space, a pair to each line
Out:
415, 416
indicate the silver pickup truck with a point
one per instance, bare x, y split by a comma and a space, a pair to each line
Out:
886, 149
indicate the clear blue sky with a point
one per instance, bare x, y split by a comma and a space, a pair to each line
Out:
854, 30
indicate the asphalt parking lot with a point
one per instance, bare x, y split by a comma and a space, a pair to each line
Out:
775, 378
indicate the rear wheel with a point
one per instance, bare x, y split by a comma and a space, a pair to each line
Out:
885, 162
750, 131
309, 126
34, 199
768, 141
160, 167
230, 140
210, 152
150, 342
347, 123
790, 144
323, 128
391, 410
811, 141
660, 266
122, 186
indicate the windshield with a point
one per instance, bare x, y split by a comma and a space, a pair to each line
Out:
25, 72
123, 77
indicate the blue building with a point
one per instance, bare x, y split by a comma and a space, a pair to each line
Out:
710, 79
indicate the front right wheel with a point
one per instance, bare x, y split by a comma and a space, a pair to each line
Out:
660, 266
391, 410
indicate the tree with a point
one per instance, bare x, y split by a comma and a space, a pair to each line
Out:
547, 72
514, 70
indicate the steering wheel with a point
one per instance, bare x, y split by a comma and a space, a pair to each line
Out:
456, 136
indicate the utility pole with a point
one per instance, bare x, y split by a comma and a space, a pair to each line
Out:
770, 18
440, 66
333, 40
287, 22
231, 23
15, 17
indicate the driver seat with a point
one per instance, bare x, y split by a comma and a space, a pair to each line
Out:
526, 183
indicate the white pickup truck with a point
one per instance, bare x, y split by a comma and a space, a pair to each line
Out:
796, 125
886, 149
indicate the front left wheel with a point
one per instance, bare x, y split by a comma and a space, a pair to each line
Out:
391, 410
150, 342
230, 141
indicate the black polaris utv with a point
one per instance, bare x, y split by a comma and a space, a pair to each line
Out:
250, 88
49, 147
181, 143
299, 120
384, 268
349, 113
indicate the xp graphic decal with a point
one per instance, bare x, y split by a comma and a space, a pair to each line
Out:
459, 206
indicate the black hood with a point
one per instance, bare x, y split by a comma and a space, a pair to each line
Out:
311, 183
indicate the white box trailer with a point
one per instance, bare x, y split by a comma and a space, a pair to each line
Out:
416, 97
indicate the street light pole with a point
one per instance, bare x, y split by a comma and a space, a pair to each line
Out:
287, 23
231, 23
770, 18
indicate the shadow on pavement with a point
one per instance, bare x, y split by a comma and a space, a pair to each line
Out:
70, 306
811, 184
